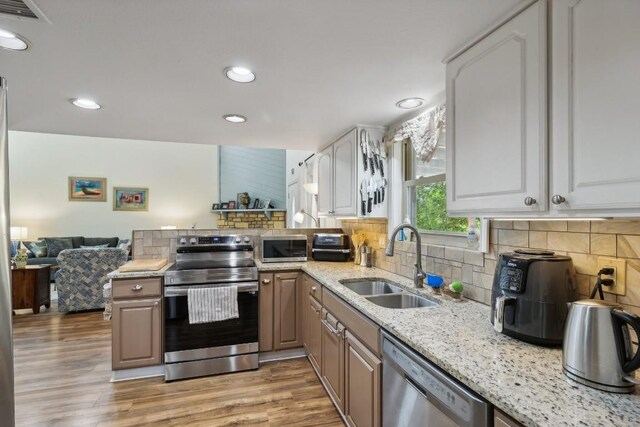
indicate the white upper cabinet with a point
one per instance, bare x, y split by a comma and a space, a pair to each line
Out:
496, 120
497, 114
325, 182
595, 121
344, 181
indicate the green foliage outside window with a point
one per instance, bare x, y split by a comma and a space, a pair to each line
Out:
431, 209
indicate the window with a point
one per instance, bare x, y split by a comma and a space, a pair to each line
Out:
426, 206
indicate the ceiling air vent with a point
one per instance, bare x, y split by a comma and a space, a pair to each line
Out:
21, 9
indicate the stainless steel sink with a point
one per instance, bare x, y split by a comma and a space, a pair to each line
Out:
370, 286
401, 301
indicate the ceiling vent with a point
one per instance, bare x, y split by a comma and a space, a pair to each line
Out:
21, 9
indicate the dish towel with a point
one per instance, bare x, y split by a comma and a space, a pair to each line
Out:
212, 304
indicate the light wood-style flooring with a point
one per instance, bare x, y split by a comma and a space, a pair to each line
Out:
63, 367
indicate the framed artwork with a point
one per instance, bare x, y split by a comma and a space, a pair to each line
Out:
215, 206
256, 204
84, 189
130, 199
224, 205
232, 204
266, 204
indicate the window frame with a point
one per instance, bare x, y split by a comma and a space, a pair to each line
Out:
409, 184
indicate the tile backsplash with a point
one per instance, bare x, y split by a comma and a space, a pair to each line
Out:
583, 241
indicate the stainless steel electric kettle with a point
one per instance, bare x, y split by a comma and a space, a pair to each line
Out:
597, 349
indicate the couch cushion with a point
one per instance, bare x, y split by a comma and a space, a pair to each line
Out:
44, 260
57, 245
106, 245
37, 249
125, 244
77, 240
95, 241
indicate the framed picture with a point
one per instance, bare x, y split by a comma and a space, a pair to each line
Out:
224, 205
256, 204
130, 199
215, 206
83, 189
267, 203
232, 204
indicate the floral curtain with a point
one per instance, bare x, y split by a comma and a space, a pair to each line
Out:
424, 132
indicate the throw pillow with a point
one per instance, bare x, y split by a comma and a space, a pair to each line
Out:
55, 246
38, 248
106, 245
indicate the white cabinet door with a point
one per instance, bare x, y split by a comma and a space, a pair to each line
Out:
344, 183
325, 182
496, 120
595, 105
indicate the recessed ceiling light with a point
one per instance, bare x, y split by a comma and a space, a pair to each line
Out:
240, 74
234, 118
89, 104
12, 41
410, 103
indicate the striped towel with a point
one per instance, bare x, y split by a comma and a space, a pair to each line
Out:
212, 304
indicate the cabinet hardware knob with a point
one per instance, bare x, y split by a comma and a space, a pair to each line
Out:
136, 288
313, 289
529, 201
557, 199
266, 281
155, 304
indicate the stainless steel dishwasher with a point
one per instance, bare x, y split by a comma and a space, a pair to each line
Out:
417, 393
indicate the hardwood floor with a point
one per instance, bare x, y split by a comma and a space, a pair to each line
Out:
63, 367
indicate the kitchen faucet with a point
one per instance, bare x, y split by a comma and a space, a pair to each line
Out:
419, 274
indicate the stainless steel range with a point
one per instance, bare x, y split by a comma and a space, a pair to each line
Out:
193, 350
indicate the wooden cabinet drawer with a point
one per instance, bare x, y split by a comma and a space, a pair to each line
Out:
312, 287
137, 288
367, 331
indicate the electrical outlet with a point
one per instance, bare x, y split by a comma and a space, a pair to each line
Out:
619, 275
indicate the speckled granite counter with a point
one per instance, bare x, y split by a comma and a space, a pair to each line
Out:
133, 274
523, 380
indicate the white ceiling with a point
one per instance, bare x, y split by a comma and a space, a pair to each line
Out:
157, 66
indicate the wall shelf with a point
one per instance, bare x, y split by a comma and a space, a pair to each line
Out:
267, 212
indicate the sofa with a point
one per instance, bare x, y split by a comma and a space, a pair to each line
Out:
82, 274
45, 250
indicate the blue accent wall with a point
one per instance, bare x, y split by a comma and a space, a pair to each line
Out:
259, 171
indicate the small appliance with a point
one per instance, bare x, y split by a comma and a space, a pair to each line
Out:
287, 248
531, 290
597, 349
331, 247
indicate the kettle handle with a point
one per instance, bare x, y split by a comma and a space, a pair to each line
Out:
624, 317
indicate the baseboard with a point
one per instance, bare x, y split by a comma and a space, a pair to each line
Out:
271, 356
137, 373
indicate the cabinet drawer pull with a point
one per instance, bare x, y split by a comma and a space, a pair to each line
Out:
136, 288
266, 281
313, 289
557, 199
529, 201
331, 329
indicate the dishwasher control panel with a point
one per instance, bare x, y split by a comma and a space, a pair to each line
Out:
432, 383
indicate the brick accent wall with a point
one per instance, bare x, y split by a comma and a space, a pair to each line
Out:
252, 220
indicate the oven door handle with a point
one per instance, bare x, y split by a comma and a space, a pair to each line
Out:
176, 291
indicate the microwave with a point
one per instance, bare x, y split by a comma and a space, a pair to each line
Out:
284, 248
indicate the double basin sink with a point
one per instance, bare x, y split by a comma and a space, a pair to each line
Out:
385, 293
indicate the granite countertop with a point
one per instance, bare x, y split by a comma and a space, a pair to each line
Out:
522, 380
133, 274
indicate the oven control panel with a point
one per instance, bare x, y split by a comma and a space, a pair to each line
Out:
230, 240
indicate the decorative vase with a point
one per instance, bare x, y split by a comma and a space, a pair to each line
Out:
21, 258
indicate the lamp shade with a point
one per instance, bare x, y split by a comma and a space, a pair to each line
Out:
19, 233
299, 217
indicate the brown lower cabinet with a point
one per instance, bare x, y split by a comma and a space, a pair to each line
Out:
136, 323
333, 357
314, 332
501, 419
362, 384
281, 306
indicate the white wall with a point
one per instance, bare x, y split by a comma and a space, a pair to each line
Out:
182, 181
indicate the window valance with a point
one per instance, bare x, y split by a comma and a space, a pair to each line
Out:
424, 132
